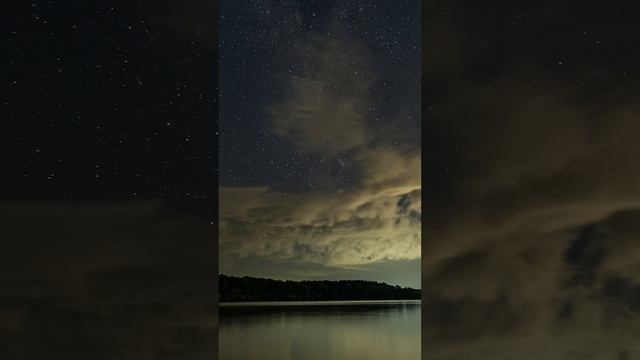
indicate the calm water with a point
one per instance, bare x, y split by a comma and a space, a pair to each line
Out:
344, 330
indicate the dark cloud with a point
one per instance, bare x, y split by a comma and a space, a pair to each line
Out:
105, 281
532, 188
195, 19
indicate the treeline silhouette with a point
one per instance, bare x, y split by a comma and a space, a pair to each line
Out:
238, 289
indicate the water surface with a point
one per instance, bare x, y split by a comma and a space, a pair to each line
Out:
337, 330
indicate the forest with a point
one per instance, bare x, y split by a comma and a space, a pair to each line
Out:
238, 289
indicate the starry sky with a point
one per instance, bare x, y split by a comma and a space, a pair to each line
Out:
319, 139
149, 135
531, 180
108, 180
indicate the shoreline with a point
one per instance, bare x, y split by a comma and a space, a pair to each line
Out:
319, 302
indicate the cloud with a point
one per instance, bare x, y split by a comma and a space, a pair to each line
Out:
379, 220
326, 113
192, 18
329, 95
534, 194
107, 280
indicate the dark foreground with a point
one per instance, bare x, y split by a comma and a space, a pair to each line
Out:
247, 288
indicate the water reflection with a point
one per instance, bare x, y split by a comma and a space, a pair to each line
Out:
320, 330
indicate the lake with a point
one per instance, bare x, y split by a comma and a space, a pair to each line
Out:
337, 330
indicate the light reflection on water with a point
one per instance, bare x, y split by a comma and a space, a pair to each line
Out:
341, 330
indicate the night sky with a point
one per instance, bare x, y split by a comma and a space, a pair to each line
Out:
107, 106
531, 180
320, 140
108, 180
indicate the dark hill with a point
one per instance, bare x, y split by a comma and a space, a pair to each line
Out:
247, 288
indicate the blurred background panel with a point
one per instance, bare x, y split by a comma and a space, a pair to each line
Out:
108, 147
532, 180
